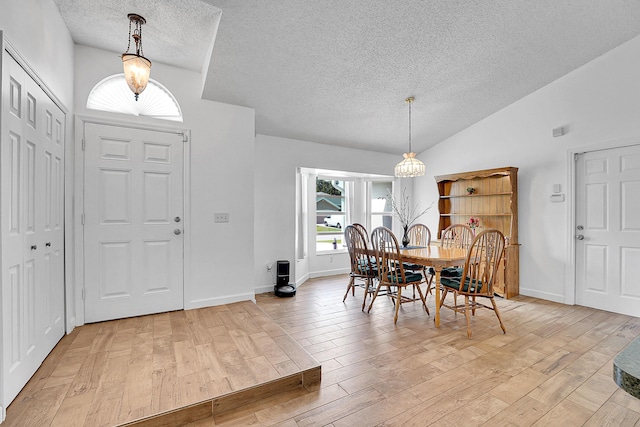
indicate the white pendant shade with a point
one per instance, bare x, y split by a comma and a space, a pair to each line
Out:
410, 167
136, 72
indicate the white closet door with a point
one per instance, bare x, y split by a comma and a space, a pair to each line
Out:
32, 232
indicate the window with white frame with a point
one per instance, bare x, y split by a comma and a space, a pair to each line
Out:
332, 213
380, 212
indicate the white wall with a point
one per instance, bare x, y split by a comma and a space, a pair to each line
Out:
37, 31
597, 103
275, 190
222, 164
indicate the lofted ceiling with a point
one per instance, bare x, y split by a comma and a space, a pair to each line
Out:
338, 71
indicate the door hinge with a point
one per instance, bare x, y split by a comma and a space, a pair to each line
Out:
82, 144
185, 138
82, 218
575, 156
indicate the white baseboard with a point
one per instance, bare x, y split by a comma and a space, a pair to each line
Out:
543, 295
210, 302
329, 272
301, 280
71, 325
263, 289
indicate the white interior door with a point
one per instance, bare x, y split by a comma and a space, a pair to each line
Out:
133, 208
32, 200
608, 230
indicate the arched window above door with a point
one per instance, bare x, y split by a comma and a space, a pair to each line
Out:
113, 94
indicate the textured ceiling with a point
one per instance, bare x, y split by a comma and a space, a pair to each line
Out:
338, 71
177, 32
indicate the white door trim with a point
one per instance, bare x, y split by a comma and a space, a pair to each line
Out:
570, 269
78, 205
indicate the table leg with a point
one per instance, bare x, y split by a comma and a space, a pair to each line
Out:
437, 316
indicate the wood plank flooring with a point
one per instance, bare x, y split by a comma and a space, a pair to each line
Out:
552, 367
162, 370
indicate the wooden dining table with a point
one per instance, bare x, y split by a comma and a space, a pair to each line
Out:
437, 257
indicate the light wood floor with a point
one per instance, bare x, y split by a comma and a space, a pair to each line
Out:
208, 361
553, 367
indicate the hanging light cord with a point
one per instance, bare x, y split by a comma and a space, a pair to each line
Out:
409, 101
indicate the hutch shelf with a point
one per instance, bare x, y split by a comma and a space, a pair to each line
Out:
491, 196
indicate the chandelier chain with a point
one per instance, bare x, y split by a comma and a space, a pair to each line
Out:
129, 39
139, 50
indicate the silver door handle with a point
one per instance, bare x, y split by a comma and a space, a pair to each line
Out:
177, 232
580, 237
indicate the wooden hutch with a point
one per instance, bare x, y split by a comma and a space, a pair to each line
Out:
491, 196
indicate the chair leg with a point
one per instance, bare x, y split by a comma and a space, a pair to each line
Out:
350, 286
495, 309
466, 314
473, 309
423, 298
395, 319
443, 296
455, 303
375, 295
369, 285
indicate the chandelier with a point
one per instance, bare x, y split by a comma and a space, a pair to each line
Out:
136, 67
409, 167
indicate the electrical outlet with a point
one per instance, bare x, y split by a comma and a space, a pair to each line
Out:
221, 217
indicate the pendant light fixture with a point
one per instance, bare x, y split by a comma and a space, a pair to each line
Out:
409, 167
136, 67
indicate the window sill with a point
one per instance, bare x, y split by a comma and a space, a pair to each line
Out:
333, 252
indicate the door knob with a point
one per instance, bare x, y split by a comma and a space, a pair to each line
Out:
177, 231
176, 219
580, 237
580, 227
34, 247
48, 244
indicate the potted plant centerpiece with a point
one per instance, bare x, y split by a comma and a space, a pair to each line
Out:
406, 213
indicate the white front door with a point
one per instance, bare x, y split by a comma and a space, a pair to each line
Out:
133, 208
32, 200
608, 230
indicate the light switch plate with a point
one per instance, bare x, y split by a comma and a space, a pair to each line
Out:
221, 217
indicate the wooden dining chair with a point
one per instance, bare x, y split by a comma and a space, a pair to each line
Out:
363, 266
361, 228
457, 236
479, 273
391, 272
420, 235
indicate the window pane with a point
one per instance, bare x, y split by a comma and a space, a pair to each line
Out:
381, 221
331, 209
379, 199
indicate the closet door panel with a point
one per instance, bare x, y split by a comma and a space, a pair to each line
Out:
31, 201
